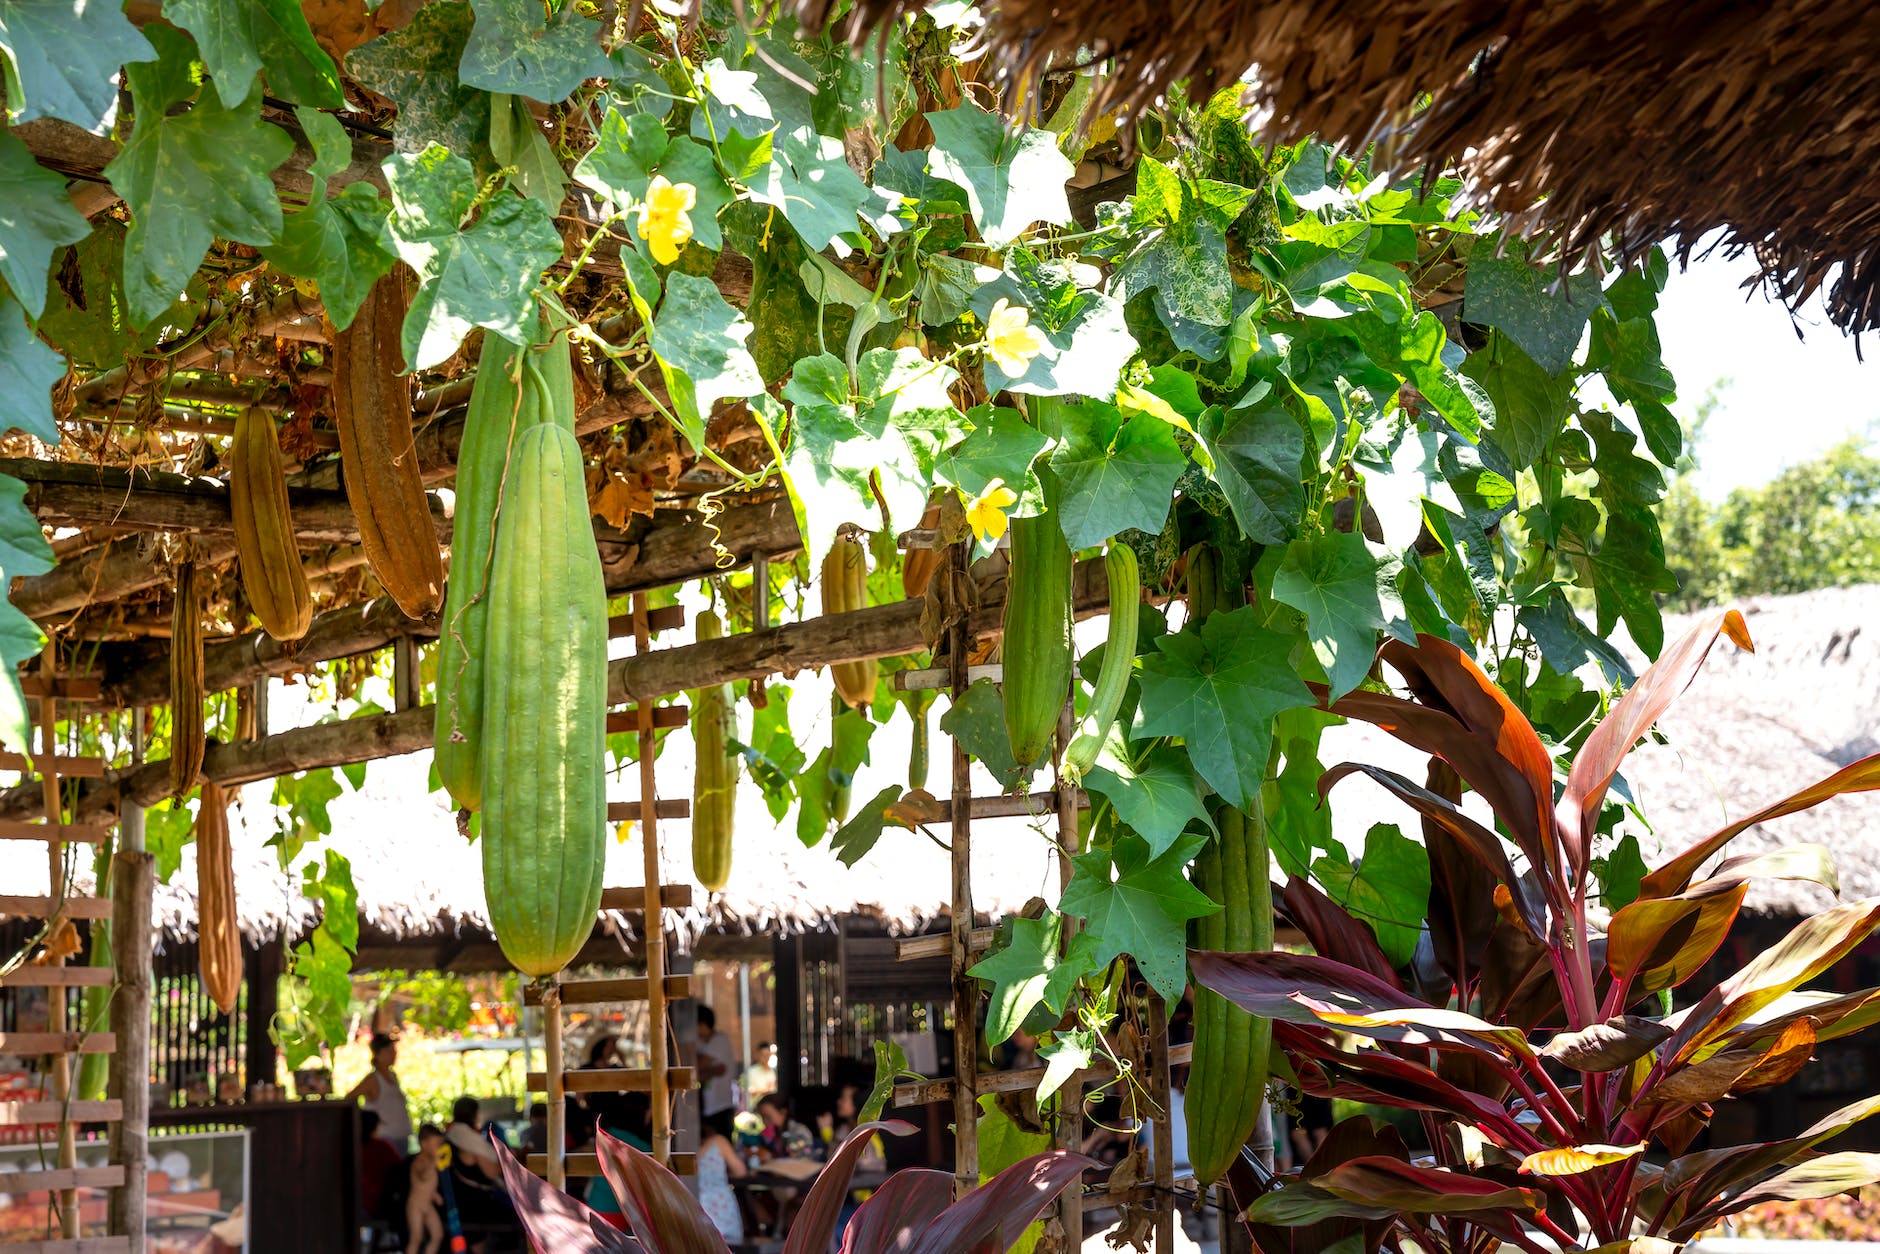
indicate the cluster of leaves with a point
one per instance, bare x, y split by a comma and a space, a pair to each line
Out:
1554, 1104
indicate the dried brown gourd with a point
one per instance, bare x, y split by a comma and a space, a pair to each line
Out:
218, 942
186, 695
272, 576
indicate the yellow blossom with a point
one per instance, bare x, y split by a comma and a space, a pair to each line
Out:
985, 513
1010, 340
664, 223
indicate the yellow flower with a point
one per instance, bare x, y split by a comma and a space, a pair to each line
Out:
664, 223
985, 513
1010, 341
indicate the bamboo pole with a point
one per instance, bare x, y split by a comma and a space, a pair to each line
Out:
655, 921
965, 988
133, 880
1070, 1117
59, 1065
556, 1148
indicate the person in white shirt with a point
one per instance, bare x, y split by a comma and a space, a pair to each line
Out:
716, 1068
383, 1096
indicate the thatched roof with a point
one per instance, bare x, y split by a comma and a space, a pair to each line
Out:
1651, 120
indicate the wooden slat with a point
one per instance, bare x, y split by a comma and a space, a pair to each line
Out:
601, 992
629, 811
70, 768
72, 1245
672, 896
673, 714
1036, 805
940, 944
925, 1091
46, 907
65, 687
57, 1042
941, 677
578, 1165
616, 1079
70, 1178
71, 833
30, 976
666, 618
52, 1112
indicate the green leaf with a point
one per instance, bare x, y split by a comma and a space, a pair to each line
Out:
1347, 593
1012, 179
20, 640
1002, 446
23, 547
947, 287
1157, 800
631, 149
1064, 1057
811, 182
1299, 824
1218, 688
1184, 262
1619, 874
338, 242
1507, 293
483, 275
306, 797
516, 48
856, 837
520, 146
733, 105
1531, 405
699, 341
890, 1062
1028, 972
239, 38
333, 892
416, 69
62, 59
902, 392
1389, 888
1116, 475
773, 759
1139, 904
831, 456
834, 767
191, 179
977, 721
36, 219
167, 830
1258, 455
28, 372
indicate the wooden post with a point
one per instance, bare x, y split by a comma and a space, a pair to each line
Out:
1070, 1118
654, 919
60, 1064
133, 877
1161, 1132
965, 988
557, 1097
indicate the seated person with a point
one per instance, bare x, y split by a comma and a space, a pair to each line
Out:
782, 1137
469, 1144
629, 1120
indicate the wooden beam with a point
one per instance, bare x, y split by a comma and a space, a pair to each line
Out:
105, 574
876, 632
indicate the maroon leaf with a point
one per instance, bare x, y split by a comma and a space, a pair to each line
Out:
898, 1210
1300, 1205
553, 1220
1373, 1075
1834, 1016
1599, 759
1700, 1177
1332, 932
995, 1215
1659, 943
662, 1212
815, 1224
1817, 1178
1398, 1185
1675, 875
1736, 1070
1607, 1046
1460, 925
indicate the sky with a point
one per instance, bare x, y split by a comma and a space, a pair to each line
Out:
1785, 400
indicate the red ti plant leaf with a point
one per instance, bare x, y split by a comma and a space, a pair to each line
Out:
1301, 1219
1459, 882
1735, 1070
661, 1211
1696, 1179
1817, 1178
993, 1216
1598, 761
1332, 932
1673, 876
1402, 1186
907, 1203
815, 1224
555, 1221
1812, 947
1834, 1016
1607, 1046
1810, 863
1661, 942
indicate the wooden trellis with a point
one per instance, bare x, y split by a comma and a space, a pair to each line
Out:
660, 1079
965, 943
63, 1042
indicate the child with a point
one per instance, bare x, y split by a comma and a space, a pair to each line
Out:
422, 1220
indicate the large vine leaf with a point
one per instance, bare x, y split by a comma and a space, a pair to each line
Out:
481, 275
810, 181
1002, 446
905, 393
1116, 475
28, 372
1157, 800
20, 641
1012, 179
1087, 341
240, 38
1534, 307
1183, 259
338, 242
23, 547
631, 149
416, 69
1388, 888
1139, 904
699, 341
831, 455
190, 179
1029, 972
1531, 405
1258, 455
977, 720
62, 59
36, 219
1348, 595
1218, 688
515, 48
